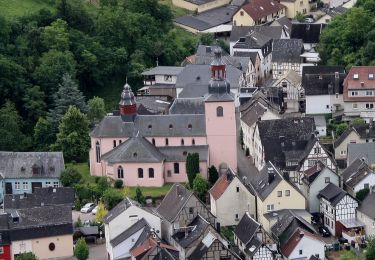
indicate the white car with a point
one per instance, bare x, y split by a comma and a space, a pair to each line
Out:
95, 210
309, 20
87, 208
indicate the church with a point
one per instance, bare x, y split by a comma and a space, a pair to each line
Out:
151, 150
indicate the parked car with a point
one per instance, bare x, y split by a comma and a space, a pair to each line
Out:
309, 20
87, 208
95, 210
324, 231
342, 240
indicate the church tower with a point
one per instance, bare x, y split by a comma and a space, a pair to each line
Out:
220, 118
128, 107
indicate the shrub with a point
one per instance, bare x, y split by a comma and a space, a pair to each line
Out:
69, 177
118, 184
362, 194
82, 250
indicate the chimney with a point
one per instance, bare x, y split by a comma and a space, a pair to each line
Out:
218, 227
271, 175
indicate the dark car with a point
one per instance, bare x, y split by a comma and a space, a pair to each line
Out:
324, 231
342, 240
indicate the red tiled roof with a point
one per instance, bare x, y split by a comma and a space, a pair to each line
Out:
148, 245
258, 9
363, 82
293, 241
220, 186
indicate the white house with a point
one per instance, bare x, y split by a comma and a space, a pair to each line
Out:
358, 176
230, 199
366, 214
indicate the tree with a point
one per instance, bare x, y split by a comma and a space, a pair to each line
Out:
362, 194
78, 223
96, 109
139, 195
26, 256
102, 185
69, 177
299, 17
73, 137
213, 175
34, 104
340, 128
56, 35
192, 167
81, 250
12, 138
101, 212
111, 198
200, 186
207, 39
118, 184
44, 135
370, 251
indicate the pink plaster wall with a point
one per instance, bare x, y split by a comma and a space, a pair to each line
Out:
221, 134
182, 176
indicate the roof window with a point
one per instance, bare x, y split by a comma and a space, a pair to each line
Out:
371, 76
355, 76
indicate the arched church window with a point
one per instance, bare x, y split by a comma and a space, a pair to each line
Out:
219, 111
97, 149
120, 172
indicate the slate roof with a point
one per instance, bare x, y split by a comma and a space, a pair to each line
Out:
21, 164
300, 213
368, 205
258, 9
356, 172
333, 194
336, 11
118, 209
364, 150
287, 50
163, 70
187, 106
152, 104
140, 224
253, 40
135, 149
151, 125
321, 80
246, 229
251, 54
308, 32
313, 172
179, 153
173, 202
208, 19
273, 32
253, 113
292, 77
40, 197
284, 22
222, 184
89, 231
197, 228
294, 240
365, 131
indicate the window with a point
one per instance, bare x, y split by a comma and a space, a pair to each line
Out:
287, 193
219, 111
170, 126
300, 251
270, 207
97, 148
182, 142
153, 141
120, 172
311, 163
371, 76
343, 152
238, 189
191, 210
151, 173
354, 93
55, 184
327, 106
236, 216
193, 141
48, 184
167, 78
355, 105
149, 126
140, 173
120, 141
241, 13
366, 186
166, 141
369, 93
327, 180
190, 126
369, 105
176, 167
114, 143
51, 246
317, 150
279, 193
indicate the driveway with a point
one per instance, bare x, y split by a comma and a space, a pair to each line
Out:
82, 216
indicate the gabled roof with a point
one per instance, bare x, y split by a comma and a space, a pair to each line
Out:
368, 205
135, 149
287, 50
140, 224
362, 150
290, 76
364, 131
252, 40
308, 32
193, 232
333, 194
187, 106
222, 184
254, 113
31, 164
273, 32
294, 240
173, 202
163, 70
356, 172
313, 172
284, 22
118, 209
164, 251
246, 229
258, 9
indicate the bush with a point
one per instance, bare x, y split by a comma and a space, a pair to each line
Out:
119, 184
26, 256
82, 250
69, 177
139, 195
362, 194
111, 198
340, 129
213, 175
200, 186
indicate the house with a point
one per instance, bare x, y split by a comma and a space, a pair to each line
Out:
321, 125
327, 18
355, 134
200, 6
359, 94
323, 89
302, 245
253, 74
200, 240
292, 92
150, 150
230, 199
314, 179
294, 7
46, 231
178, 208
285, 23
363, 151
23, 172
274, 192
252, 240
286, 56
258, 12
366, 214
338, 209
120, 223
154, 248
358, 176
273, 217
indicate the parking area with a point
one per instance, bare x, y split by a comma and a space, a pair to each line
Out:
82, 216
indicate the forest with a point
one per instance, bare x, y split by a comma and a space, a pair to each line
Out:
79, 54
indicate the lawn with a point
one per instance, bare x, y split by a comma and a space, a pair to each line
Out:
176, 11
15, 8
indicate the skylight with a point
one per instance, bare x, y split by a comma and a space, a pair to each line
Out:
355, 76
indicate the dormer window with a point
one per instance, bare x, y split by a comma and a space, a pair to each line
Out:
135, 155
149, 126
170, 126
355, 76
190, 126
23, 168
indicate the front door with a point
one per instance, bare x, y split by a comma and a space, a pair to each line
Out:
36, 185
8, 188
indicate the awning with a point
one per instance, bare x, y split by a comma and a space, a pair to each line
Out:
351, 223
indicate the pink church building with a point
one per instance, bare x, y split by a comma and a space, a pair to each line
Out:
150, 150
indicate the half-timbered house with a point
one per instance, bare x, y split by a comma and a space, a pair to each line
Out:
253, 241
338, 209
178, 208
286, 56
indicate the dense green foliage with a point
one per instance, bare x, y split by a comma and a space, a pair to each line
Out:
370, 250
69, 177
139, 195
192, 167
118, 184
81, 250
94, 45
200, 186
213, 175
362, 194
348, 255
111, 198
350, 38
26, 256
